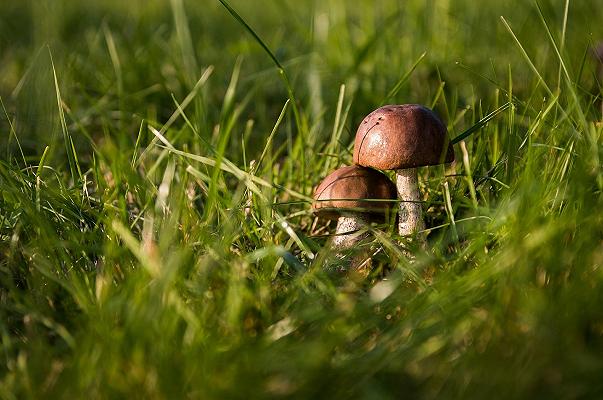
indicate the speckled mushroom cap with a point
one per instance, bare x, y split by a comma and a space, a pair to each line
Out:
400, 137
346, 189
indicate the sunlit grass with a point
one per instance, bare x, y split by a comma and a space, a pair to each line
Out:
156, 169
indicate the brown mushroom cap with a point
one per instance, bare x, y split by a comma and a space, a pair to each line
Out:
345, 191
400, 137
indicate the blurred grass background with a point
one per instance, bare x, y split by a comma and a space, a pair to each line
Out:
155, 233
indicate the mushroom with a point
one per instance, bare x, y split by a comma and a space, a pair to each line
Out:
351, 195
402, 138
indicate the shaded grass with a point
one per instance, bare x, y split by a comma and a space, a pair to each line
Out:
155, 232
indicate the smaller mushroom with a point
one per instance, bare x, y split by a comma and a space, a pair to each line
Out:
402, 138
354, 196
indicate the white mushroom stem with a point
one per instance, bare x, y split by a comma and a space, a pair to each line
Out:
410, 216
347, 232
347, 235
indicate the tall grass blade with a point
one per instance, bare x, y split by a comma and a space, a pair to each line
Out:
526, 56
481, 123
300, 148
392, 93
74, 164
12, 133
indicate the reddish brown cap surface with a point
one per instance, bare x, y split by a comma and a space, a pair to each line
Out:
345, 191
402, 136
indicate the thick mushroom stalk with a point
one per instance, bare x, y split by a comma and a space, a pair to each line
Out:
410, 214
348, 232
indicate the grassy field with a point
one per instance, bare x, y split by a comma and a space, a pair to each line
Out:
157, 161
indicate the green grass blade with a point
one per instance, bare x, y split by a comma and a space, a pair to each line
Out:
300, 147
392, 93
74, 164
481, 123
12, 133
270, 138
249, 29
526, 56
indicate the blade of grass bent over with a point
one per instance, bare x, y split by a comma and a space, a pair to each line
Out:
282, 73
481, 123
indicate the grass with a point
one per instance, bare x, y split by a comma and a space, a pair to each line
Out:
156, 238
